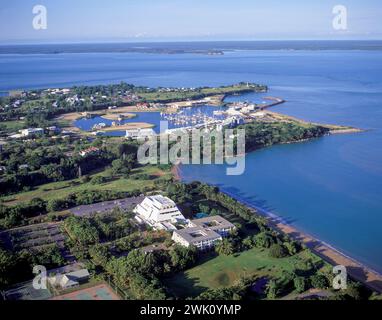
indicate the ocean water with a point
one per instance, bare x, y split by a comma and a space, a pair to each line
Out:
329, 187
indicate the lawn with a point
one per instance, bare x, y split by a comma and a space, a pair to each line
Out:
13, 126
57, 190
223, 271
177, 96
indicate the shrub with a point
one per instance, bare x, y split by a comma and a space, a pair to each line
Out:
299, 284
98, 180
318, 281
277, 251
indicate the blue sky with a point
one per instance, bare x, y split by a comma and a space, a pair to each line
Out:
158, 20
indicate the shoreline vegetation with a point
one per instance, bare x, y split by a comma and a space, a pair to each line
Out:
356, 270
333, 256
197, 47
85, 178
130, 112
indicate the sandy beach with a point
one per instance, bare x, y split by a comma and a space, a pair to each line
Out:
355, 269
128, 126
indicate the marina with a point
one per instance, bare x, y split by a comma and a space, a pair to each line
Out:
195, 116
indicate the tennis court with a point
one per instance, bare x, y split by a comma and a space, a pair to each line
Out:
99, 292
25, 291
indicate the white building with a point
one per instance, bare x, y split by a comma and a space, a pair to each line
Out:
31, 131
69, 280
159, 212
202, 239
249, 108
203, 233
139, 133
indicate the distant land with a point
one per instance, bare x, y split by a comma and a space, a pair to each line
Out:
208, 48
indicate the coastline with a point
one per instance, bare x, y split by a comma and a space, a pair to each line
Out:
355, 269
327, 252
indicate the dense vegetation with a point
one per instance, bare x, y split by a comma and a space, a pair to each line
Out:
31, 163
17, 266
113, 245
39, 107
260, 134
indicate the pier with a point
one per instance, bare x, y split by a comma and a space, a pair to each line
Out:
275, 101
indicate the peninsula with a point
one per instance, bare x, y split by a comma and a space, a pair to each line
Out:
67, 194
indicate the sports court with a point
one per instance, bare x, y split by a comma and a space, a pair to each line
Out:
99, 292
25, 291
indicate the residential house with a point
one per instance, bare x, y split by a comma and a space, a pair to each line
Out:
69, 280
32, 132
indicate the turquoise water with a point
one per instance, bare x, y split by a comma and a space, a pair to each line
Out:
329, 187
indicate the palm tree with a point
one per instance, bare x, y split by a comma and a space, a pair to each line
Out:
225, 247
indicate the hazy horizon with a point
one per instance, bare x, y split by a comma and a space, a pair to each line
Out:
165, 41
99, 21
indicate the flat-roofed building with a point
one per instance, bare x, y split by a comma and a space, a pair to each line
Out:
214, 223
32, 131
159, 212
202, 239
203, 233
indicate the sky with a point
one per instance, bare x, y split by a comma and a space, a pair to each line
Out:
187, 20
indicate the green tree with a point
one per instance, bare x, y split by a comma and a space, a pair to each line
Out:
225, 247
7, 262
182, 257
354, 292
97, 180
248, 243
292, 247
318, 281
277, 251
299, 284
272, 289
99, 254
81, 230
264, 240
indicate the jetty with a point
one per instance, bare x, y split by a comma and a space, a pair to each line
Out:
275, 101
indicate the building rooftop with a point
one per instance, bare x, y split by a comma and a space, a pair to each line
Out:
196, 234
212, 223
163, 201
69, 279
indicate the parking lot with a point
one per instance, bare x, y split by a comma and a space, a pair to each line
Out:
107, 206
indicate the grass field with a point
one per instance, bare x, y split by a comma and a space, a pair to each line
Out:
223, 271
57, 190
204, 92
13, 126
